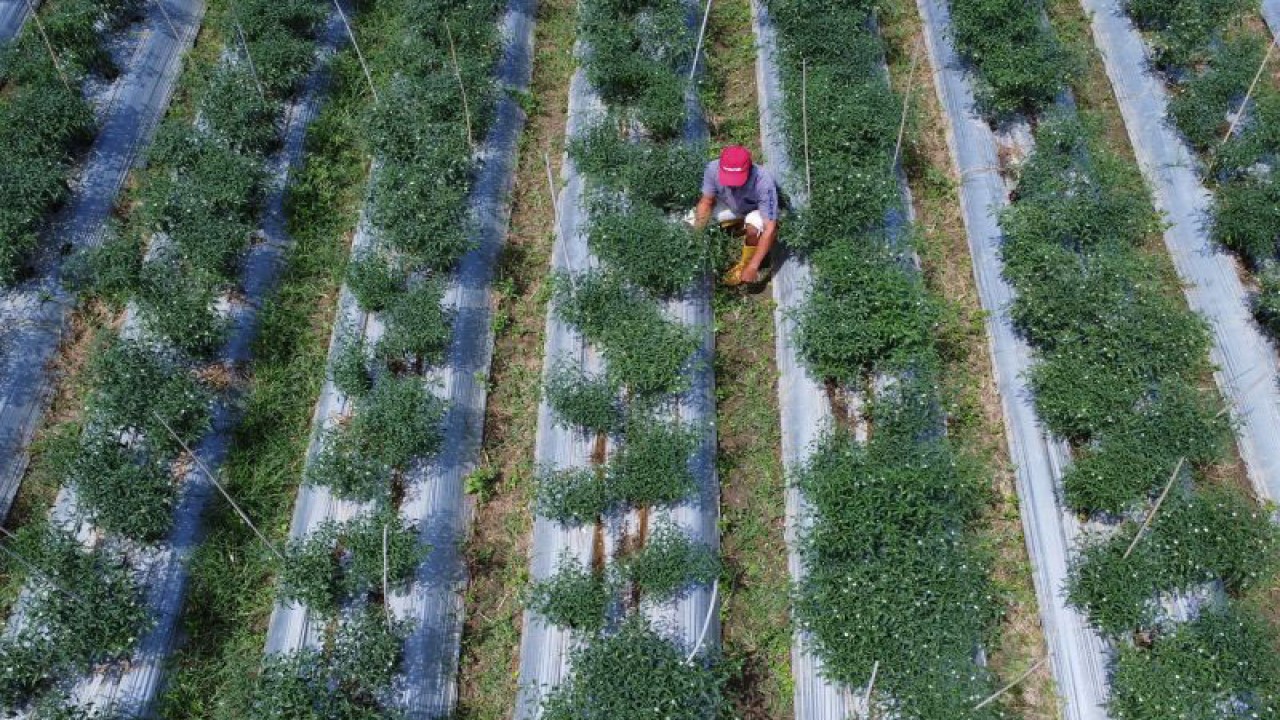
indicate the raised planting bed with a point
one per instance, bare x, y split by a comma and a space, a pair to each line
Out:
883, 520
397, 429
134, 495
1163, 122
140, 71
624, 559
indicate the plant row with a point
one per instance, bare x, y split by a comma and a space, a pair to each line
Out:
1209, 55
895, 575
433, 64
149, 395
45, 119
1119, 366
641, 174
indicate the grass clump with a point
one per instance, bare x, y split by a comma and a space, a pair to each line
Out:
1023, 67
635, 674
575, 597
581, 400
652, 466
1202, 536
669, 564
644, 351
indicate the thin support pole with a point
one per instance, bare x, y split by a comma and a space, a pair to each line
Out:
57, 65
248, 56
1016, 681
906, 102
35, 569
871, 686
702, 34
555, 214
1152, 515
386, 585
462, 88
234, 506
167, 20
1235, 121
356, 44
804, 121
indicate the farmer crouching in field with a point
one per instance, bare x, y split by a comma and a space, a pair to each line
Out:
743, 197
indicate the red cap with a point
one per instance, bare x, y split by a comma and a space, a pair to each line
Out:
735, 166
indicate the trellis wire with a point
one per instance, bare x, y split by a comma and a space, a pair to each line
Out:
359, 55
1012, 684
462, 88
1152, 515
702, 34
49, 46
35, 569
234, 506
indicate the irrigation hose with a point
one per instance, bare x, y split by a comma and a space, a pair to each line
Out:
706, 623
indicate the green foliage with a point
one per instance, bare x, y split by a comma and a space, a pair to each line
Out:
636, 54
398, 421
111, 271
643, 350
417, 327
663, 175
1266, 302
177, 303
348, 468
312, 573
235, 114
645, 248
85, 608
337, 562
866, 309
280, 37
670, 563
636, 674
575, 597
120, 490
367, 654
893, 575
362, 539
1023, 66
652, 468
350, 370
131, 384
1202, 104
376, 280
1208, 535
572, 497
1247, 217
580, 400
1182, 30
1222, 664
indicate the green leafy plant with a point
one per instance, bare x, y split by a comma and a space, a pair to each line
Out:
376, 280
652, 468
575, 597
350, 369
634, 674
1023, 66
417, 326
670, 563
398, 421
1201, 107
1247, 218
120, 489
583, 401
572, 497
1266, 302
1182, 30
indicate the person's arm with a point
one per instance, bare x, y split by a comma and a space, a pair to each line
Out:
751, 273
702, 213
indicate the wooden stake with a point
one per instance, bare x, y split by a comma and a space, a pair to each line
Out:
49, 46
359, 55
35, 569
168, 20
906, 102
555, 214
200, 464
871, 686
702, 34
1235, 122
386, 586
248, 56
804, 121
462, 88
1152, 515
994, 696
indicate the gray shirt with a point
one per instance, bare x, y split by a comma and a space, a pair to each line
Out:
760, 192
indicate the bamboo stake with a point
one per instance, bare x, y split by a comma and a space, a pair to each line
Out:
203, 468
1235, 122
462, 88
994, 696
555, 214
804, 121
906, 102
871, 686
248, 56
35, 569
1152, 515
386, 586
359, 55
57, 65
168, 20
702, 34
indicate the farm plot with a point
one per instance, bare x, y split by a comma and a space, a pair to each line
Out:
620, 618
106, 575
1208, 46
370, 593
892, 581
116, 87
1117, 363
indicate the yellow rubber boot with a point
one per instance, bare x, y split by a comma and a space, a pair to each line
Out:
733, 278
